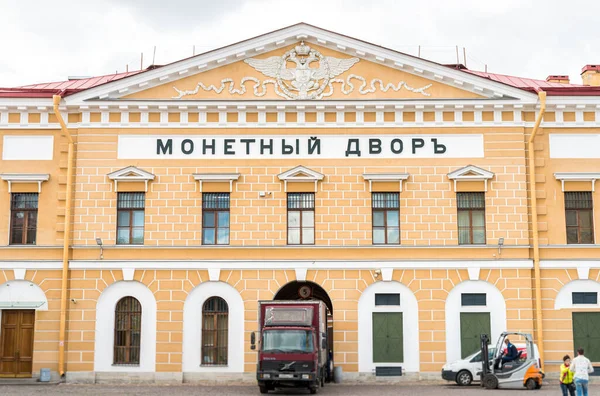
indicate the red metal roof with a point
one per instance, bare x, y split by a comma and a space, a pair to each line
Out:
46, 90
521, 82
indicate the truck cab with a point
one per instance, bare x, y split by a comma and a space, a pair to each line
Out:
292, 345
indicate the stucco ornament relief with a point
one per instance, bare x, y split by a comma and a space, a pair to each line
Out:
302, 82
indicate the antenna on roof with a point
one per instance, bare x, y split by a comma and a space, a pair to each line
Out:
419, 51
193, 50
142, 61
457, 59
154, 55
465, 56
486, 68
127, 68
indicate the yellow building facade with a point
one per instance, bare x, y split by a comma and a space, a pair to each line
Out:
297, 164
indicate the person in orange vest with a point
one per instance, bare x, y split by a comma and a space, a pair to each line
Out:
566, 377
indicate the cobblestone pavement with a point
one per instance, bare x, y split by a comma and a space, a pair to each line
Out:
345, 390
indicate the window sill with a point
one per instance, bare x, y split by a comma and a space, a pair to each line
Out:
213, 365
124, 365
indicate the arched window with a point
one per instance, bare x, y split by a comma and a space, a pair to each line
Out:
214, 332
128, 325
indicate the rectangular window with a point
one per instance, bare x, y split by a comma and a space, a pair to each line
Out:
585, 298
301, 218
473, 299
215, 219
130, 218
23, 218
387, 299
471, 218
579, 214
386, 218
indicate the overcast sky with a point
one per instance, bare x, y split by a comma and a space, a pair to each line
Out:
49, 40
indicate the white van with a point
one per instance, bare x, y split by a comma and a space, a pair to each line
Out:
467, 370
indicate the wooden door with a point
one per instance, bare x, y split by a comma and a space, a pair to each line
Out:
16, 343
472, 326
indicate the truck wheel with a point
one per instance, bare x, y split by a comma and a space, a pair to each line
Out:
464, 378
263, 389
530, 384
490, 381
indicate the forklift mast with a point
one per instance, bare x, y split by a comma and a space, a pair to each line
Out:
485, 357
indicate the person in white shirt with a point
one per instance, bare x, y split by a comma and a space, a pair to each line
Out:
581, 367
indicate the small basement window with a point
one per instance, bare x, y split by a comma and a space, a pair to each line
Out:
585, 298
473, 299
387, 299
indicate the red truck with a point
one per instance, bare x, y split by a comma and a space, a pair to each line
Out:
292, 345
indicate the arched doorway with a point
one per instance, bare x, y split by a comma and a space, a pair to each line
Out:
300, 291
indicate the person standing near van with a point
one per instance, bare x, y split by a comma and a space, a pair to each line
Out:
582, 367
566, 378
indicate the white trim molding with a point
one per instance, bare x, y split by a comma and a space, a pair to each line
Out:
495, 306
300, 174
470, 173
385, 177
217, 178
564, 298
105, 332
38, 178
131, 174
192, 328
410, 325
577, 176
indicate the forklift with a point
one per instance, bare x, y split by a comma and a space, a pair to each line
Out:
516, 374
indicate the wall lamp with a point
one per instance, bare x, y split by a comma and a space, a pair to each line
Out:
99, 243
500, 244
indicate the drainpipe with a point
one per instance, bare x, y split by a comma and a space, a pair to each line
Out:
534, 224
67, 234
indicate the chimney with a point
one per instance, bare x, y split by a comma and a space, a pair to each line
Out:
555, 78
590, 74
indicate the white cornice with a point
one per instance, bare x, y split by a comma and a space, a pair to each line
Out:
25, 178
131, 174
577, 176
216, 177
385, 177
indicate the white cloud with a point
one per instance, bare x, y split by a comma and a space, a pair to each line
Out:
48, 41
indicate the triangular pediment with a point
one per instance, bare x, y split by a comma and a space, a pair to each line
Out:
131, 173
347, 68
301, 173
470, 172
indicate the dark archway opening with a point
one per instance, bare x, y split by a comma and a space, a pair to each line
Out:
303, 291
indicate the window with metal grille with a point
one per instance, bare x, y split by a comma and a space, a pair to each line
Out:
23, 218
387, 299
471, 218
130, 218
215, 218
579, 209
301, 218
215, 318
128, 329
386, 218
585, 298
473, 299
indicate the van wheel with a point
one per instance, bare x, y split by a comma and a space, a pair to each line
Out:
464, 378
313, 390
530, 384
263, 389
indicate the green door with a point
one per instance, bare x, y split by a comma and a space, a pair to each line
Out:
472, 326
388, 342
586, 334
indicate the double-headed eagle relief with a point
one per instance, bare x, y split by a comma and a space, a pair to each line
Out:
302, 73
302, 81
